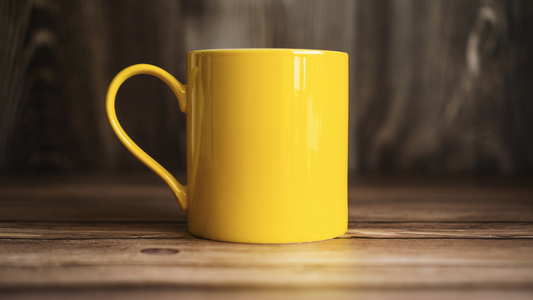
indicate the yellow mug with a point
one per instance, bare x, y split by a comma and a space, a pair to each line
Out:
267, 143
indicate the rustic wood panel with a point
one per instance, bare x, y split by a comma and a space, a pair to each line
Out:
60, 56
436, 86
46, 109
442, 86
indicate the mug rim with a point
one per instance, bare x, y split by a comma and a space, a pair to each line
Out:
288, 50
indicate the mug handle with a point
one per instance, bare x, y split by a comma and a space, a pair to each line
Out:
180, 90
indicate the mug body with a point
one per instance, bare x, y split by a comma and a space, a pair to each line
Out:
267, 145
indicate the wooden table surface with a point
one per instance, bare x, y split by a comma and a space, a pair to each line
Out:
124, 237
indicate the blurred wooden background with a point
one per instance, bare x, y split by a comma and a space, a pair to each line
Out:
437, 86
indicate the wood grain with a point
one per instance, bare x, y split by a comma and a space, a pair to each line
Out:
336, 253
94, 230
439, 85
126, 208
436, 86
142, 197
59, 58
429, 230
178, 230
335, 263
284, 277
106, 235
168, 292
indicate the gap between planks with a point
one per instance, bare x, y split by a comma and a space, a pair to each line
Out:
178, 230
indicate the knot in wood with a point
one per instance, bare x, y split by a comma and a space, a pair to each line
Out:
160, 251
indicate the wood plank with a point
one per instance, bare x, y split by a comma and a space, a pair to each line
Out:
414, 230
142, 197
402, 208
336, 253
455, 278
168, 292
89, 197
440, 199
91, 230
178, 230
91, 208
95, 208
340, 263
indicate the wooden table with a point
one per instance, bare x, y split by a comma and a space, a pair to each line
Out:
124, 237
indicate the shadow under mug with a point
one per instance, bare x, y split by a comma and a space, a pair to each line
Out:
267, 143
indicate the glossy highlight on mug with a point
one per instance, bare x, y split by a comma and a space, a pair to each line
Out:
267, 143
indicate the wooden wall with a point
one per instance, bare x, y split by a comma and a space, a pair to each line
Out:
436, 86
